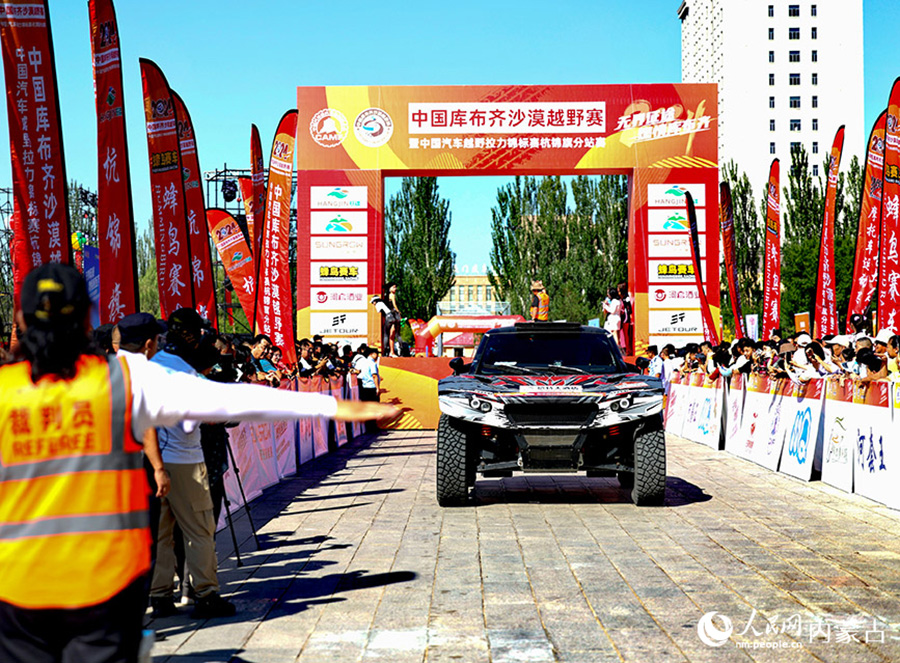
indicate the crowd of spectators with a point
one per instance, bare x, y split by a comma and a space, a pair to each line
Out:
857, 355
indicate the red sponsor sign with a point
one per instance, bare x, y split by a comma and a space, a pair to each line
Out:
258, 179
173, 262
889, 274
235, 256
40, 220
865, 269
826, 302
274, 306
115, 215
195, 209
726, 222
772, 283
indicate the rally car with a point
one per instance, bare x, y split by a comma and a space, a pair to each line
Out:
550, 397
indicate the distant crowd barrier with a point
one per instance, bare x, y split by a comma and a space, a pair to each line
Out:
841, 432
265, 453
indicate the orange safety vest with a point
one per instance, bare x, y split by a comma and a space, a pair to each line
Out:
542, 310
74, 525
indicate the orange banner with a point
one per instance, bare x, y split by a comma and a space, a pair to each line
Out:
772, 283
235, 256
826, 300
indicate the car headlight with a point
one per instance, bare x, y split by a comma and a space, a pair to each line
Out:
477, 404
621, 404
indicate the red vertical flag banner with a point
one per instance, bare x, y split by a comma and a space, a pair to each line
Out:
726, 223
826, 300
889, 267
709, 327
772, 283
195, 209
115, 215
235, 256
173, 258
245, 186
274, 306
258, 177
40, 220
865, 267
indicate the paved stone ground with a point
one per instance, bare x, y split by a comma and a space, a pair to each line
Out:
358, 563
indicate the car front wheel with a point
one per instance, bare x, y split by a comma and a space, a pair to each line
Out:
452, 459
649, 467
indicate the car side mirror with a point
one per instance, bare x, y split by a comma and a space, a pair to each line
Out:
458, 366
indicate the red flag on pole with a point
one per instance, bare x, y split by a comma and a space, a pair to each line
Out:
889, 267
173, 258
726, 222
115, 216
201, 260
235, 256
865, 268
258, 177
826, 299
40, 220
274, 306
709, 326
245, 186
772, 283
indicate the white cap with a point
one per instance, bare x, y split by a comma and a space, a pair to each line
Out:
803, 340
884, 335
841, 339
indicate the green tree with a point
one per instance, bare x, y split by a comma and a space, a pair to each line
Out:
510, 272
145, 255
417, 246
749, 233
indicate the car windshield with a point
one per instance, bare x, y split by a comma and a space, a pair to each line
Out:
547, 353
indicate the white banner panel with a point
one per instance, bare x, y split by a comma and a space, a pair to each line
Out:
338, 197
338, 299
338, 223
803, 430
672, 195
338, 273
672, 271
678, 297
339, 324
476, 118
673, 221
675, 322
673, 245
338, 248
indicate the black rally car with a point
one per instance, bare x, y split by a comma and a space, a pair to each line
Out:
550, 397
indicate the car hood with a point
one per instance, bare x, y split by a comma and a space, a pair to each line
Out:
527, 386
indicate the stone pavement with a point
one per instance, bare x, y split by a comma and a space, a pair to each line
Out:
358, 563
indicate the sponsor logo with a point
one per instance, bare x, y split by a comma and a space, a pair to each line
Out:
329, 127
550, 389
338, 223
798, 445
338, 197
338, 248
338, 299
674, 246
681, 297
337, 273
339, 323
673, 221
672, 195
373, 127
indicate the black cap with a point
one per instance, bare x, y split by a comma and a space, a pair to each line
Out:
54, 292
140, 328
186, 320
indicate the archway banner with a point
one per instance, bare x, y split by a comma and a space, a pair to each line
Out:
662, 136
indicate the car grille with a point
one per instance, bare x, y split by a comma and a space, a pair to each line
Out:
550, 414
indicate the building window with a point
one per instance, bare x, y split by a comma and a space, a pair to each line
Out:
793, 33
771, 34
771, 148
793, 56
795, 125
771, 56
795, 102
815, 56
772, 11
815, 101
450, 294
480, 290
795, 147
771, 102
812, 10
815, 170
815, 33
815, 124
771, 79
794, 79
793, 10
771, 125
815, 147
471, 293
815, 79
487, 293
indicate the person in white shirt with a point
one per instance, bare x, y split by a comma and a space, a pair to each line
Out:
369, 381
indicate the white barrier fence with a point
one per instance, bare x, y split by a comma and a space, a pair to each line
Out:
847, 434
265, 453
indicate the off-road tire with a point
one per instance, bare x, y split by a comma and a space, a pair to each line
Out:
452, 459
626, 479
649, 467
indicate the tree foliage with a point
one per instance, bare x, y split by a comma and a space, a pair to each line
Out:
577, 253
417, 246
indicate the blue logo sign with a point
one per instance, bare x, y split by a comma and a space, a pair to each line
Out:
798, 445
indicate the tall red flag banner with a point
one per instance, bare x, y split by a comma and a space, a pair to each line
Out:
173, 258
709, 327
889, 267
865, 267
195, 209
115, 215
245, 186
40, 220
772, 281
826, 295
235, 256
274, 306
258, 177
726, 223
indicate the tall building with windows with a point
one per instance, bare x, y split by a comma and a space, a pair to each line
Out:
789, 72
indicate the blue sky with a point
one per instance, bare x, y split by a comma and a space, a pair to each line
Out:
235, 63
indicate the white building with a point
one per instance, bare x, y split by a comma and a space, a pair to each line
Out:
789, 71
